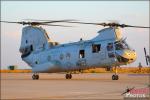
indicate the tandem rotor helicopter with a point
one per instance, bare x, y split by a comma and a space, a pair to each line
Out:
107, 49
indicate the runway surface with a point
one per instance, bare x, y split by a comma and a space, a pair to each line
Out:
81, 86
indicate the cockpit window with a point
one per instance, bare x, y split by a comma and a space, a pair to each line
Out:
119, 45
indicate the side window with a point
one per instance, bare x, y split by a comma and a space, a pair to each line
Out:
110, 46
31, 47
111, 55
81, 54
26, 41
61, 56
68, 55
49, 58
96, 48
36, 62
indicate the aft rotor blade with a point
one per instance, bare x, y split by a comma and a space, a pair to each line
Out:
54, 25
102, 24
39, 23
35, 20
88, 23
50, 21
11, 22
55, 21
23, 23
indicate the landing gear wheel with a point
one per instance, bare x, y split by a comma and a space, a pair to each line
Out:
35, 77
68, 76
115, 77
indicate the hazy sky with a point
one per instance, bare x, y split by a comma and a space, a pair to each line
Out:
128, 12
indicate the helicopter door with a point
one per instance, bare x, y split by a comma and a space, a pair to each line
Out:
82, 61
81, 54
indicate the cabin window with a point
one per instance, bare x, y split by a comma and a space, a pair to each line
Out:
31, 47
68, 55
43, 44
26, 50
26, 41
111, 55
110, 46
36, 62
96, 48
81, 54
49, 58
61, 56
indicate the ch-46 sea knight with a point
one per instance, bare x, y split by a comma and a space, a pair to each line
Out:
107, 49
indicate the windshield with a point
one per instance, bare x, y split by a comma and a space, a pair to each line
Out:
119, 45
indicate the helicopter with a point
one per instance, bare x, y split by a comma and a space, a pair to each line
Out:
105, 50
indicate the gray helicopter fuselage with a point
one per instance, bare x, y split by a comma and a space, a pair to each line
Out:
44, 55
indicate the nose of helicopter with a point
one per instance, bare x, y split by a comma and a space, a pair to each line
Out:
126, 56
130, 55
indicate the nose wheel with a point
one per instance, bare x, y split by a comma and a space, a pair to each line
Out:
115, 76
68, 76
35, 76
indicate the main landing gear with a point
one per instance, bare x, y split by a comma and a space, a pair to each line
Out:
68, 76
35, 76
115, 76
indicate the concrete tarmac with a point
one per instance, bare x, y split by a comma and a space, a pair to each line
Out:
81, 86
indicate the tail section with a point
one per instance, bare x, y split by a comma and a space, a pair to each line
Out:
33, 39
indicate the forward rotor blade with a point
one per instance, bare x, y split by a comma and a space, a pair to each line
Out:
111, 24
123, 25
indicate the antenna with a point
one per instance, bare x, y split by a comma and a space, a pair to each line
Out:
147, 57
